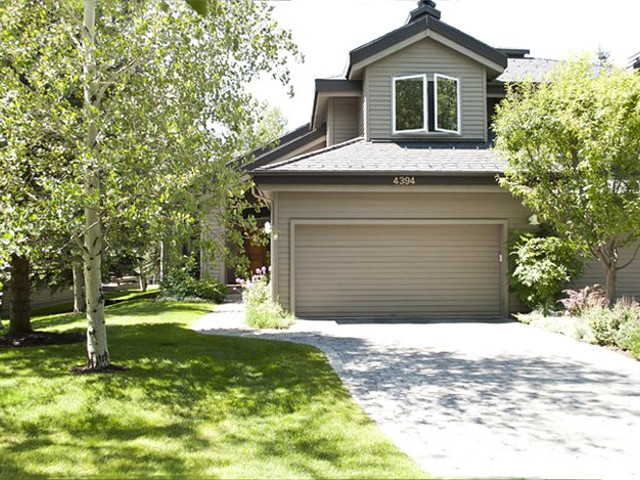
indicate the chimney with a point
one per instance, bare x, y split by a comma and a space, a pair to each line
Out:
426, 8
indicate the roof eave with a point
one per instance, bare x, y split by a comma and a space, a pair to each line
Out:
375, 173
374, 178
285, 148
408, 34
326, 88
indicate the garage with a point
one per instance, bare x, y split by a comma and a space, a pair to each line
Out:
428, 268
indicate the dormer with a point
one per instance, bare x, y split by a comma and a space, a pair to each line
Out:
424, 81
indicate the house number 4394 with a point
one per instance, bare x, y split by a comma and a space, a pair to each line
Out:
404, 180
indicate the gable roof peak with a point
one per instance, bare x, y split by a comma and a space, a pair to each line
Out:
425, 8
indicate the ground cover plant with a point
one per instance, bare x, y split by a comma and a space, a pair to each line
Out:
587, 317
191, 406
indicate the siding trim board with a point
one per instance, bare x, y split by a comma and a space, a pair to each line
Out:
275, 245
502, 224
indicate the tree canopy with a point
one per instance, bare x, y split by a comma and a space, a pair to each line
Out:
573, 148
127, 129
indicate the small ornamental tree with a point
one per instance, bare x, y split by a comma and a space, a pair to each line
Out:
572, 144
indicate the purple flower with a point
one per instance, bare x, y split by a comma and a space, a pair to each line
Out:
263, 269
239, 280
269, 268
258, 272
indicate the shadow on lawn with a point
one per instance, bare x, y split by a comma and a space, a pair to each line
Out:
194, 380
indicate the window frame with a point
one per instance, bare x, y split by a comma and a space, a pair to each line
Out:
436, 128
425, 112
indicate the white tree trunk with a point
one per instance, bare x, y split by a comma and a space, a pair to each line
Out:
79, 298
97, 352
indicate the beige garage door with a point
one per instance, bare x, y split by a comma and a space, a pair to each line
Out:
430, 270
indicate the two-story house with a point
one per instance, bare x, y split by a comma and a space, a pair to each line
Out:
387, 202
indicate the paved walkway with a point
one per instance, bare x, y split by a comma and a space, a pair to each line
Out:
495, 399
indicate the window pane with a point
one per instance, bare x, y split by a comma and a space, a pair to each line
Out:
447, 98
409, 104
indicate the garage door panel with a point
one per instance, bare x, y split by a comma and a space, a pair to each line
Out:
397, 270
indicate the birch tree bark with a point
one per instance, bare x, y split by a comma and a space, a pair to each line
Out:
97, 352
79, 297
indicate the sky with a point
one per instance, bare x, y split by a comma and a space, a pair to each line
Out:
326, 30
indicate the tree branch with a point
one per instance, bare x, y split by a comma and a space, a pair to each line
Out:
635, 254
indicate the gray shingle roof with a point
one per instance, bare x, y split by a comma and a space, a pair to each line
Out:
359, 156
533, 69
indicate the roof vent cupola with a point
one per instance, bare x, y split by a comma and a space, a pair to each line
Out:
425, 8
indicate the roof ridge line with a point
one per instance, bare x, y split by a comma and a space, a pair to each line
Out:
311, 154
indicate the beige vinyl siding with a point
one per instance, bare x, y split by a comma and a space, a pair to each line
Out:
392, 205
398, 270
628, 278
345, 119
426, 57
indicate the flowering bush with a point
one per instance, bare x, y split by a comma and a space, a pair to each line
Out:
579, 301
261, 310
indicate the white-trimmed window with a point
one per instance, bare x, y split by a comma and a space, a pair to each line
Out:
447, 103
409, 98
425, 106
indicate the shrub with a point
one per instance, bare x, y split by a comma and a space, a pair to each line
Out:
209, 290
628, 336
579, 301
180, 285
261, 310
607, 323
542, 267
604, 324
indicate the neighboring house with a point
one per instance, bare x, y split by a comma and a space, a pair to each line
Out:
39, 298
387, 202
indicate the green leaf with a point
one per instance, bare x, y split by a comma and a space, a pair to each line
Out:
200, 6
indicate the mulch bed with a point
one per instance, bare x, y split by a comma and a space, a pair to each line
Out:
37, 339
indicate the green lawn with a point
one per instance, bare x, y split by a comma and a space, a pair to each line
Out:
192, 405
111, 297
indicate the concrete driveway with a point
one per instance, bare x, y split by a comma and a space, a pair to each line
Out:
489, 399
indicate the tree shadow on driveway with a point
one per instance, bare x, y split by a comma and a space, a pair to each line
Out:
550, 409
